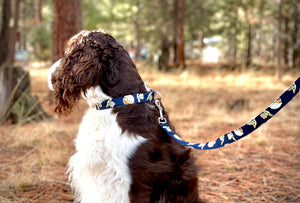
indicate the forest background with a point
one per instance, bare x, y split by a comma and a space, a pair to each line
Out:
230, 58
246, 32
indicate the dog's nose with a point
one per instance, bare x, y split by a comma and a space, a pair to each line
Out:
51, 71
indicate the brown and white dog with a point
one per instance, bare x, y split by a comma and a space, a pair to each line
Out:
123, 155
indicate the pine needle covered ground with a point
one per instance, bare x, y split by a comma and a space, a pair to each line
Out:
263, 167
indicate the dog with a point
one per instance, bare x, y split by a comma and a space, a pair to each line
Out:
122, 154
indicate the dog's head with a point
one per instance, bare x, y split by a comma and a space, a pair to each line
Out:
92, 59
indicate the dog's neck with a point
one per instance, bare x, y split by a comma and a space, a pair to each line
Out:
94, 95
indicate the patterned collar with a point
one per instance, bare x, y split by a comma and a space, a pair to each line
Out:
127, 100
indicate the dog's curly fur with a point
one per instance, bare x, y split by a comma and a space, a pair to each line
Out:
81, 67
155, 167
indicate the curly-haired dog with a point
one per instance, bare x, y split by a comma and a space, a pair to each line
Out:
123, 155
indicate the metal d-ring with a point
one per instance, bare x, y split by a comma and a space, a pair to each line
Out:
161, 118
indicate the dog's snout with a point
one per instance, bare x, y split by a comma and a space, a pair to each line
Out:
51, 71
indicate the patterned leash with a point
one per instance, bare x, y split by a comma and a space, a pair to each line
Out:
227, 138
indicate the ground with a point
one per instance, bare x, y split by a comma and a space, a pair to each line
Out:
263, 167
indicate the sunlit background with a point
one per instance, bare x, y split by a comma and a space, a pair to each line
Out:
238, 57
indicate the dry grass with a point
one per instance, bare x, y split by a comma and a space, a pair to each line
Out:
264, 167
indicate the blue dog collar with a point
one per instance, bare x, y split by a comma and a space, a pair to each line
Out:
126, 100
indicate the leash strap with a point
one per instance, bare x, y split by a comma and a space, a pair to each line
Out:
241, 132
227, 138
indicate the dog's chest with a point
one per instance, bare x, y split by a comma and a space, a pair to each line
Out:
99, 170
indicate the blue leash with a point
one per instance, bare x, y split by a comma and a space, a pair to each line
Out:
227, 138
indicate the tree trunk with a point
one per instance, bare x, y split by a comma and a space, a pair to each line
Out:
16, 102
138, 32
295, 37
175, 34
234, 41
260, 31
279, 33
138, 47
249, 46
14, 31
23, 33
164, 56
179, 59
286, 39
4, 35
163, 60
40, 6
201, 44
66, 22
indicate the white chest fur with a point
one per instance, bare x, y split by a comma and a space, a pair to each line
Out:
99, 170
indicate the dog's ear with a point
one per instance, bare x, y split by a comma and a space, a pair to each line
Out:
78, 71
89, 60
87, 72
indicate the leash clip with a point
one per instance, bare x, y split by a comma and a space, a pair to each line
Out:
161, 118
157, 95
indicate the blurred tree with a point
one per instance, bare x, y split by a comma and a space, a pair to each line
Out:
40, 41
231, 25
198, 22
164, 41
4, 34
295, 34
286, 36
178, 33
138, 29
14, 31
196, 17
40, 7
164, 56
16, 101
246, 27
250, 20
279, 41
35, 31
159, 15
66, 22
